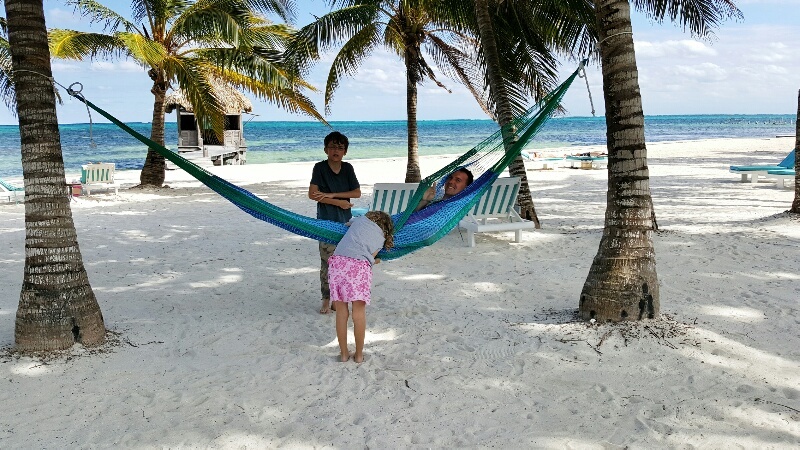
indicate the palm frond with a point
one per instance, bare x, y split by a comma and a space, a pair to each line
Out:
349, 58
143, 50
456, 64
286, 97
330, 30
218, 21
275, 36
259, 63
192, 77
700, 17
77, 45
7, 93
99, 13
284, 9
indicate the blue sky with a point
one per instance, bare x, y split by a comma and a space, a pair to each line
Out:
749, 67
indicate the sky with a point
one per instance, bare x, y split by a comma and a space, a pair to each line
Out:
750, 66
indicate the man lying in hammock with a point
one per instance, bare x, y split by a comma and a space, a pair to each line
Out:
455, 183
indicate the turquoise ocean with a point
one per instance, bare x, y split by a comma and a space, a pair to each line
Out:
276, 142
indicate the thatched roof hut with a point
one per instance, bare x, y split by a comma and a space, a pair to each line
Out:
194, 138
234, 101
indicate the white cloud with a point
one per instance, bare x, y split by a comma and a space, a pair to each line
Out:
777, 70
682, 48
702, 73
115, 66
59, 66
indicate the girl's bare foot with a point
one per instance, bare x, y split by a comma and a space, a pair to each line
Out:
358, 358
326, 306
345, 357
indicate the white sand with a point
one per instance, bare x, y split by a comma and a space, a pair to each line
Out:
219, 343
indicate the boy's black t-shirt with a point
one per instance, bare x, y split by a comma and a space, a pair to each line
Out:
329, 182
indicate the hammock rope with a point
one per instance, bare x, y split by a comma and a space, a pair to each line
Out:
413, 229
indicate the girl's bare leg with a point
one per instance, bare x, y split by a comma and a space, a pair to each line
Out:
342, 314
359, 328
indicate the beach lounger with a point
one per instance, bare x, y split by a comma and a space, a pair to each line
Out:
781, 176
751, 173
587, 162
11, 193
392, 198
98, 176
542, 162
495, 212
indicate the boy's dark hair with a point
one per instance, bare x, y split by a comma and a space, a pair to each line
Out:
338, 138
466, 171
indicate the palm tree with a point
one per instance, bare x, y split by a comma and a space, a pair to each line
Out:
622, 283
409, 28
796, 203
57, 306
516, 49
186, 44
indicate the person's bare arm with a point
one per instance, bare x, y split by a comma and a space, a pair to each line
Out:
333, 198
355, 193
426, 199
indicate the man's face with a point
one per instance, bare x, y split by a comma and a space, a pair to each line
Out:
335, 151
455, 183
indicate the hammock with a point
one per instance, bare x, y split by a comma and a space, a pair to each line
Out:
413, 230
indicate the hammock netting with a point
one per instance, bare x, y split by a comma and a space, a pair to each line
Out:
413, 229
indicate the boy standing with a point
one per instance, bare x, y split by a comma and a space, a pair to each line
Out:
333, 184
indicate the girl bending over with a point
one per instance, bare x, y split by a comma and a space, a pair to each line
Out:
350, 274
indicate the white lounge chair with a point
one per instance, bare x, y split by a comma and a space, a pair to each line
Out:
98, 176
392, 198
495, 212
11, 193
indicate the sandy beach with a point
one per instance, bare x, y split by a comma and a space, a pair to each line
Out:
216, 340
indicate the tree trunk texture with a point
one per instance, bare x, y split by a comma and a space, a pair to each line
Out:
154, 170
796, 203
413, 173
503, 107
622, 283
57, 307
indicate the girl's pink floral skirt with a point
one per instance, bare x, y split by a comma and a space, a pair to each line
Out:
350, 279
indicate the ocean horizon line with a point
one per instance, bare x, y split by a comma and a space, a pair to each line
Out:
313, 121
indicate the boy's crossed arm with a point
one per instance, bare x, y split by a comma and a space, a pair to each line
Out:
330, 198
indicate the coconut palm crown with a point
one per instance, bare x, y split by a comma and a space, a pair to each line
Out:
183, 44
411, 29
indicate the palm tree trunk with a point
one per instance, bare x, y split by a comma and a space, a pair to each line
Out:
622, 282
796, 203
503, 107
154, 170
57, 306
413, 173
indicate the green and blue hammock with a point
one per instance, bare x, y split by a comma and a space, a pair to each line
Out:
413, 229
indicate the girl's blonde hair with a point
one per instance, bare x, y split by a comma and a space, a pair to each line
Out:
384, 221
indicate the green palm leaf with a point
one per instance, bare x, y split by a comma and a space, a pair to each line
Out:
183, 44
